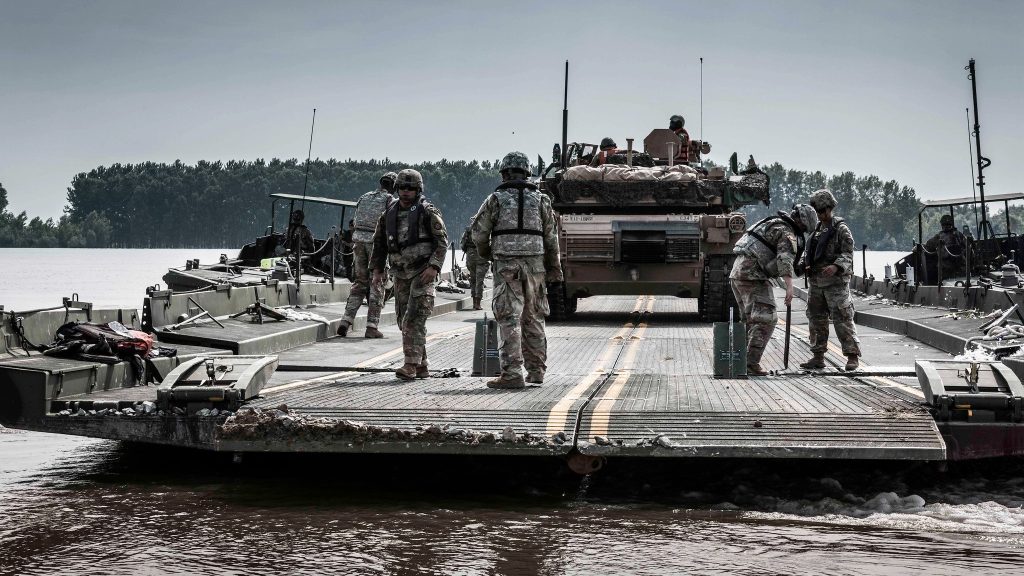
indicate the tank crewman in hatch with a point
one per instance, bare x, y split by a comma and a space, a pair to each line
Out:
689, 150
515, 228
606, 149
768, 250
829, 264
369, 207
299, 235
953, 243
410, 235
477, 267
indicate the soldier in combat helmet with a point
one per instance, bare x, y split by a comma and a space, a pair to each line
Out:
948, 245
767, 251
515, 228
829, 264
477, 266
369, 207
410, 235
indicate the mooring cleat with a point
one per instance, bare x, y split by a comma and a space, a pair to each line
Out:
504, 383
372, 332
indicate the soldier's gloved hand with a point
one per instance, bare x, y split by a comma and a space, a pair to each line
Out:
789, 295
830, 270
429, 275
553, 276
484, 252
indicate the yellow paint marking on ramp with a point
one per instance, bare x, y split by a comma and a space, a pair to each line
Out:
364, 364
560, 411
603, 408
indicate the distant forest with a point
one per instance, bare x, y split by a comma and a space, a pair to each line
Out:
226, 204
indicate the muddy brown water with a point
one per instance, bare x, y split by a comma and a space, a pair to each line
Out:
82, 506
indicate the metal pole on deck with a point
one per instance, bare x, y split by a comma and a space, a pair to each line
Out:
785, 348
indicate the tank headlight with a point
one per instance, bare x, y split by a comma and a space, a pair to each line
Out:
737, 223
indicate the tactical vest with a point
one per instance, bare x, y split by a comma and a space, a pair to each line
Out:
519, 230
754, 244
410, 236
828, 253
368, 210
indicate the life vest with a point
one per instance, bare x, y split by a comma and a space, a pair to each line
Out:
519, 230
368, 210
754, 244
417, 236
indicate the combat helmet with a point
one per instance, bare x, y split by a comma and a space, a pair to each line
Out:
823, 200
388, 180
676, 122
946, 220
805, 215
607, 142
409, 178
515, 162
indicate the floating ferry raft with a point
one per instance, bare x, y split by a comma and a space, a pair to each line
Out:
628, 377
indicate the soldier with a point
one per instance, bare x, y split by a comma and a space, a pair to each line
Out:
515, 227
768, 250
689, 150
477, 266
607, 148
299, 236
369, 207
948, 246
829, 264
410, 235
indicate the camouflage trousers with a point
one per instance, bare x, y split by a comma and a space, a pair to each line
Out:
362, 286
414, 301
519, 303
756, 302
833, 300
478, 268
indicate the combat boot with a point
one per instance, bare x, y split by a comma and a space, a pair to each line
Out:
852, 362
422, 371
817, 362
343, 328
507, 382
535, 377
372, 332
407, 372
476, 304
756, 370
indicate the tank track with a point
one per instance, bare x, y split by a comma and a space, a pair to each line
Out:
715, 292
560, 304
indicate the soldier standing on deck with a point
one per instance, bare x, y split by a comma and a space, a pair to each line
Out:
410, 235
829, 263
477, 266
515, 227
768, 250
369, 207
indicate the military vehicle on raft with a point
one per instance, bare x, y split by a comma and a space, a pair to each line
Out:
648, 222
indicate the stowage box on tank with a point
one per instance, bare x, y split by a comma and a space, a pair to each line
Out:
650, 222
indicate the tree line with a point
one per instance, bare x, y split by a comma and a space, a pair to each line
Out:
226, 204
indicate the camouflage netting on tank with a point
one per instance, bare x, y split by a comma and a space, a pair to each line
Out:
625, 193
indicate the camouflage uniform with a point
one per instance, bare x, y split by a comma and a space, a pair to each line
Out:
751, 283
831, 295
410, 253
953, 243
517, 226
369, 208
476, 265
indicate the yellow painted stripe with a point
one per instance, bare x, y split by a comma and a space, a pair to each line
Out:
603, 408
559, 412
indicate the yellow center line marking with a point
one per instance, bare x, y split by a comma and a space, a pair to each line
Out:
364, 364
603, 408
559, 412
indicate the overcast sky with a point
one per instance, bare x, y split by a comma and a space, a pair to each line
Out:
872, 87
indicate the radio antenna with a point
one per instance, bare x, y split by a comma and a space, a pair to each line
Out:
565, 117
986, 227
974, 187
701, 99
309, 154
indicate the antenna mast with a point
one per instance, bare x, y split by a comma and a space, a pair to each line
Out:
565, 117
309, 154
986, 226
701, 100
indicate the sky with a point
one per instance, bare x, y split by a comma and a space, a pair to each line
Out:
869, 87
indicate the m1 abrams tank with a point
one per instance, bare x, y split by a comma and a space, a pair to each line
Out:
647, 223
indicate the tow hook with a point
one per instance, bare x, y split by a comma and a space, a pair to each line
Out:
584, 464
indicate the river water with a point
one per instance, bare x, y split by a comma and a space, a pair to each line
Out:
83, 506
